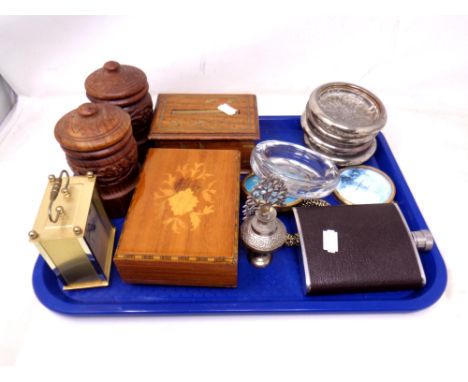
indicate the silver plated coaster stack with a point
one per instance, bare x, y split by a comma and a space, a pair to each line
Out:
341, 121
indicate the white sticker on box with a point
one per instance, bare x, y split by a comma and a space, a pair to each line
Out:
330, 241
227, 109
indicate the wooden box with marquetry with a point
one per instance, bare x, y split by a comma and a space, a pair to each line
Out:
182, 224
207, 121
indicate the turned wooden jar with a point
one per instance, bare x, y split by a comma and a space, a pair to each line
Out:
127, 87
98, 138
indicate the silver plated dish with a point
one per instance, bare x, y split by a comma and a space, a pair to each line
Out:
332, 137
348, 110
342, 160
329, 147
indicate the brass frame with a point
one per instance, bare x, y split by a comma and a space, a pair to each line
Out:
392, 184
106, 270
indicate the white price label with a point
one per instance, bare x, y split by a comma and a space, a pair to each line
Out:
227, 109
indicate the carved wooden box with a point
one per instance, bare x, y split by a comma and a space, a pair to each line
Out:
182, 224
194, 121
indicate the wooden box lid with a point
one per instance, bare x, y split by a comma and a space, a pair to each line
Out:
196, 117
185, 208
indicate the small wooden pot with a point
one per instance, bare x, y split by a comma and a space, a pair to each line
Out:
98, 138
127, 87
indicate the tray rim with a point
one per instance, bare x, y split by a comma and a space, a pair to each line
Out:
428, 298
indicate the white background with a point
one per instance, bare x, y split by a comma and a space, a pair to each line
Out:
417, 65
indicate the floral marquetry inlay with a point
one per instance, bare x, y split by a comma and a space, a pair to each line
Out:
189, 195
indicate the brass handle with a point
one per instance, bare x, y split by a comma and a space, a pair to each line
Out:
54, 193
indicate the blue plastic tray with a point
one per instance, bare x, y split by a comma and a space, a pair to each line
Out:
274, 289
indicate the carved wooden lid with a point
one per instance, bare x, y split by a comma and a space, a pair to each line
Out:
92, 127
114, 81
